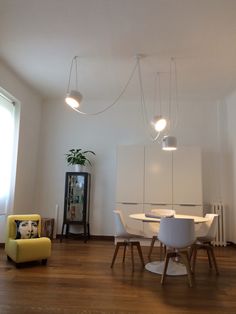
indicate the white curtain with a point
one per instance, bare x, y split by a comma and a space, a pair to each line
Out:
6, 150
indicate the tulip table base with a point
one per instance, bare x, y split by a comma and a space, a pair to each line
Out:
173, 269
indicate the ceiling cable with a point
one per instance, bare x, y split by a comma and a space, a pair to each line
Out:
143, 105
73, 99
117, 98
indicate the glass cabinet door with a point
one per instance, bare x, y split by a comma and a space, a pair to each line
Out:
76, 189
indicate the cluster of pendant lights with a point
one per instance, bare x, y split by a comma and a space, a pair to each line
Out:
74, 98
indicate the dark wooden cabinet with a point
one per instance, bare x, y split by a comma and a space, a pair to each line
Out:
76, 204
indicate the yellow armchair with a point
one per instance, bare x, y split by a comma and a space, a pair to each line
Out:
26, 250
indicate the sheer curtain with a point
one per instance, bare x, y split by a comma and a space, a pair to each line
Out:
7, 127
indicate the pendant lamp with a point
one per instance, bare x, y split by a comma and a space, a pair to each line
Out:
169, 143
159, 123
73, 99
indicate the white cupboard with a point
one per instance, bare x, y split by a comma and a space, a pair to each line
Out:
158, 176
148, 177
195, 210
187, 176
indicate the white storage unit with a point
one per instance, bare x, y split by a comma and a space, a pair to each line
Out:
187, 176
158, 176
148, 178
195, 210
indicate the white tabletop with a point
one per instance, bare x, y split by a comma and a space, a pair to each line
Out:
142, 217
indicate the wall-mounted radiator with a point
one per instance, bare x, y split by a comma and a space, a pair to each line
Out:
219, 208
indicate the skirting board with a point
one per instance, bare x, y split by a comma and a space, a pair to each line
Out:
94, 237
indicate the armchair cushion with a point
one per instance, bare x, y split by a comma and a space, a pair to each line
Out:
26, 250
26, 229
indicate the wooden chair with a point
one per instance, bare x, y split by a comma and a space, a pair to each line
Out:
154, 228
205, 235
128, 237
177, 234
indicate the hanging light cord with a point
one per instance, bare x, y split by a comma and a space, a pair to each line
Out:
117, 98
143, 104
174, 123
176, 96
157, 85
76, 79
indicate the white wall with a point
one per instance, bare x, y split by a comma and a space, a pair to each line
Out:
30, 119
63, 129
41, 163
228, 114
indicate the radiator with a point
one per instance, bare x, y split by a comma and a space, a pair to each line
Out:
219, 208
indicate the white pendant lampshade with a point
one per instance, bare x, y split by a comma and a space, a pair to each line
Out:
169, 143
159, 123
73, 99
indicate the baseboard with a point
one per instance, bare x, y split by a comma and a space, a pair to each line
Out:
143, 241
94, 237
102, 237
231, 243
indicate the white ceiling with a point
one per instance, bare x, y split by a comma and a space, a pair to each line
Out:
38, 39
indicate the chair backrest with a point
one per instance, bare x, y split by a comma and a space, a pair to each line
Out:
212, 225
153, 228
177, 232
120, 229
11, 224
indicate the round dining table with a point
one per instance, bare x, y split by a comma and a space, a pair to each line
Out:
175, 268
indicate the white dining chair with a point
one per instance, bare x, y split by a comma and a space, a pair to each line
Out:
129, 238
205, 235
154, 227
177, 234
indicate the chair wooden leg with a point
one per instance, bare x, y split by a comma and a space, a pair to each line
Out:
191, 252
140, 253
209, 257
125, 244
193, 258
167, 257
161, 250
214, 259
124, 252
165, 249
154, 238
132, 256
115, 253
186, 261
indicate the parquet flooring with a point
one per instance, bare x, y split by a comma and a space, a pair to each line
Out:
78, 279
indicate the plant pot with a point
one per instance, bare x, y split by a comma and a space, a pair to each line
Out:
79, 168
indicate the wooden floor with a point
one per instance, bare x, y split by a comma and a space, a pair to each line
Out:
78, 279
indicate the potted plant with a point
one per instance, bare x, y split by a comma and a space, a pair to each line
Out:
78, 158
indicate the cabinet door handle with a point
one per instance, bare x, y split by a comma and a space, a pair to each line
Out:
129, 203
188, 205
158, 204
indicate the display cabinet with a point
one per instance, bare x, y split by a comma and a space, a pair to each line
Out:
76, 205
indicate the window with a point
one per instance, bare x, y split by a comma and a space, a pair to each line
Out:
7, 131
